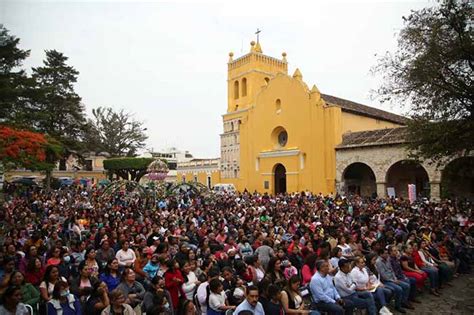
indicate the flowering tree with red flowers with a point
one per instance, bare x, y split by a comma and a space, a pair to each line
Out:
21, 148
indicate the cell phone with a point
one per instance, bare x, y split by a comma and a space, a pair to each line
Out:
304, 292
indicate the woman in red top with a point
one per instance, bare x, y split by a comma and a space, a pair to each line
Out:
34, 272
173, 282
430, 270
309, 268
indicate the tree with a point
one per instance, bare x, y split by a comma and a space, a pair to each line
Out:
432, 72
115, 132
14, 83
129, 168
20, 148
57, 110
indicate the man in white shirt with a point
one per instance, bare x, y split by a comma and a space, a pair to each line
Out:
347, 289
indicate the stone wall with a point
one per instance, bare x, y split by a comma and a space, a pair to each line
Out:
380, 159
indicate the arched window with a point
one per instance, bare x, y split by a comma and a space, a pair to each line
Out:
278, 105
231, 126
236, 89
244, 87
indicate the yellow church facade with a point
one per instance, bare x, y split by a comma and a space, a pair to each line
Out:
279, 135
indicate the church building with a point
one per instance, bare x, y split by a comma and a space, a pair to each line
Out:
280, 135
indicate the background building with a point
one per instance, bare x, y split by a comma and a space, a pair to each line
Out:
91, 169
278, 134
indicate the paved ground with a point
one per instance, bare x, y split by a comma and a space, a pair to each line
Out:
458, 299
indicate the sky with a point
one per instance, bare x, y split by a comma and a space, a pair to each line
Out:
166, 62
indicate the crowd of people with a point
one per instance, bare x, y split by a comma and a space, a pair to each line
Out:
77, 251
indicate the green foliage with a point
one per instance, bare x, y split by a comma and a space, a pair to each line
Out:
431, 72
57, 109
128, 168
14, 83
127, 163
115, 132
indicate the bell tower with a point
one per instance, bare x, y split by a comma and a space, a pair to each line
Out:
247, 74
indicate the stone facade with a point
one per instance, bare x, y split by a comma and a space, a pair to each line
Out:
380, 159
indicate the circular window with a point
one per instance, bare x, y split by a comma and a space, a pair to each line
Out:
283, 138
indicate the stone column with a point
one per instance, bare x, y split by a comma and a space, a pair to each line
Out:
381, 189
435, 194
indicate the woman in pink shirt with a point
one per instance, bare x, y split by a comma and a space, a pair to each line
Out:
309, 268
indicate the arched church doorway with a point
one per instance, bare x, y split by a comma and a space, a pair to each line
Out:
280, 179
457, 178
405, 172
359, 179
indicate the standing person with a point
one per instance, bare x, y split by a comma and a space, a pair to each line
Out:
400, 289
217, 301
173, 282
324, 293
364, 283
12, 302
63, 302
347, 289
118, 305
251, 303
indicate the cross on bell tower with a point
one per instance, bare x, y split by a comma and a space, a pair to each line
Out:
258, 34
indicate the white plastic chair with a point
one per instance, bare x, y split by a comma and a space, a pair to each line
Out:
29, 308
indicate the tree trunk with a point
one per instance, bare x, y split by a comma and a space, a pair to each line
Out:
48, 180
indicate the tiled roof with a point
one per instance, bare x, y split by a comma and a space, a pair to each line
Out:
364, 110
373, 138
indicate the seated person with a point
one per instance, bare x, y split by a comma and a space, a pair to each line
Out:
324, 293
